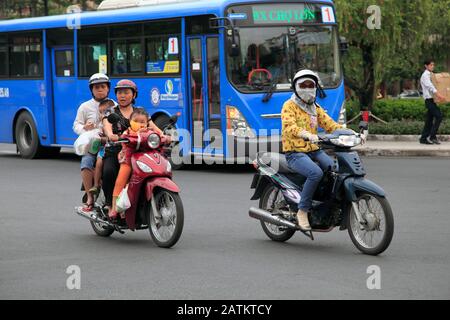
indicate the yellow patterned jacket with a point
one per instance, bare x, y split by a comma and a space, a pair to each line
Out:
297, 121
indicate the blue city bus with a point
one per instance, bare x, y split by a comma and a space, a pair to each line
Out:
223, 66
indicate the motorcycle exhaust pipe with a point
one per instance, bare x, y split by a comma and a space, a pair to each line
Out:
265, 216
94, 218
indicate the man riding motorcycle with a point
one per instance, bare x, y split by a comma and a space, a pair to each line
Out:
301, 117
88, 118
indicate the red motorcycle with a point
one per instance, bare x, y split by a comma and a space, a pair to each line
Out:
154, 197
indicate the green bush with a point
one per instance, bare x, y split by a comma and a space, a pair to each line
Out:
401, 127
396, 109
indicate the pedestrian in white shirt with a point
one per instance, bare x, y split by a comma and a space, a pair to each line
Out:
88, 118
434, 115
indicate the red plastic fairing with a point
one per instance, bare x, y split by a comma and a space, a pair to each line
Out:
161, 182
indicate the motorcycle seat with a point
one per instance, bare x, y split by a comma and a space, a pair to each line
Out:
276, 161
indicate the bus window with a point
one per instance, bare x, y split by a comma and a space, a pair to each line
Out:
92, 51
64, 63
59, 37
199, 25
163, 47
25, 51
3, 56
163, 55
127, 56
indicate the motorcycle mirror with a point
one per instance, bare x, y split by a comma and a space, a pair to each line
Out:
173, 119
113, 118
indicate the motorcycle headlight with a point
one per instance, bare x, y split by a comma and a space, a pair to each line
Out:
154, 141
346, 141
145, 168
169, 167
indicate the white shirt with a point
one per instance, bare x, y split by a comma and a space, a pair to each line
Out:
88, 111
427, 86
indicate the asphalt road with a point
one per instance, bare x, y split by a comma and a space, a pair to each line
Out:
222, 254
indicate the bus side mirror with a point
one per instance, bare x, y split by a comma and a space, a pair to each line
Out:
234, 40
343, 45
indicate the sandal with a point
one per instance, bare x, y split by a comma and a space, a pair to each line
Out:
112, 215
95, 191
88, 208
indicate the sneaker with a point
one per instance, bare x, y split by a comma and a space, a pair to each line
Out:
435, 141
302, 220
426, 141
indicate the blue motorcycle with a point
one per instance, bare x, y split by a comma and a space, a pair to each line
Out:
344, 198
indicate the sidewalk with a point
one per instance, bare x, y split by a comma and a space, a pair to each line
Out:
403, 146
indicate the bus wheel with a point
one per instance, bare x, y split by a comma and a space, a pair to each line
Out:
163, 122
27, 139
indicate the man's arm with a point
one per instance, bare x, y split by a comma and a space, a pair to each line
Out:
78, 124
427, 84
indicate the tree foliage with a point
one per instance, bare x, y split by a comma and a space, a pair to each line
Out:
410, 31
10, 9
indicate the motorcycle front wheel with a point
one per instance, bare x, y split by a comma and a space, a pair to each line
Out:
376, 234
270, 197
166, 218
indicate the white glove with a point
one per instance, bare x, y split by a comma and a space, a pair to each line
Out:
313, 138
361, 135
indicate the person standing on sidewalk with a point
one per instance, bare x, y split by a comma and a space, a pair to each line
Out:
434, 115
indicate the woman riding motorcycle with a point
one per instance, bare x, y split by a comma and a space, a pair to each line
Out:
301, 117
126, 92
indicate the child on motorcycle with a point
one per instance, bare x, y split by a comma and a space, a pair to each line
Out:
301, 117
103, 108
139, 121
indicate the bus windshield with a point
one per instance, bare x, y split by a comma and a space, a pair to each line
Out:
272, 55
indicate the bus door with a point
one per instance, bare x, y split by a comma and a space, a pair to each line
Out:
64, 94
204, 95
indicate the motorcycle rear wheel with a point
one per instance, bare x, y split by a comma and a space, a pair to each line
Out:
101, 230
274, 232
381, 226
166, 226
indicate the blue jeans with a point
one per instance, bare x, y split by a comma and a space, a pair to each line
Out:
303, 163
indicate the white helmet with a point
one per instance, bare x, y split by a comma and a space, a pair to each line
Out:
99, 78
305, 73
308, 96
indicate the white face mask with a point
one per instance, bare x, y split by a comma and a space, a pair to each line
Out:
307, 95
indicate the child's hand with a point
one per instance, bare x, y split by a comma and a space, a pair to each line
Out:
142, 130
121, 157
114, 137
166, 139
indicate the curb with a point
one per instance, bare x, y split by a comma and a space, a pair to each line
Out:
403, 153
410, 138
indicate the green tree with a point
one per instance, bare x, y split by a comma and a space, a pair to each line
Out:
376, 53
12, 9
437, 44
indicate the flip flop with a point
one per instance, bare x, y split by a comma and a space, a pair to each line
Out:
88, 208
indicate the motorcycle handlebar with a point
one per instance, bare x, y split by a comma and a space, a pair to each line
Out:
116, 143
